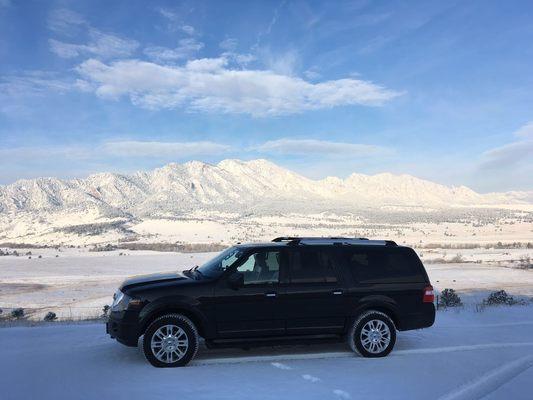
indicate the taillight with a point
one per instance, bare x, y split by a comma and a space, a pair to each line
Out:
429, 296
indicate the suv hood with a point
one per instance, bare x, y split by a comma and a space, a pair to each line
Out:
142, 280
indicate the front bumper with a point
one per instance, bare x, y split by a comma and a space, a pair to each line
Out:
123, 327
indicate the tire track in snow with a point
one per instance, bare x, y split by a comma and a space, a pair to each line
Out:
280, 366
348, 354
490, 381
311, 378
342, 394
492, 325
469, 347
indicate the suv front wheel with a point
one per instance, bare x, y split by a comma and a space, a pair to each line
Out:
373, 334
170, 341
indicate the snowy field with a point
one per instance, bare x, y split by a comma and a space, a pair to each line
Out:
465, 355
78, 283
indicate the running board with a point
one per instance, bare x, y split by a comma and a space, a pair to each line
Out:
273, 341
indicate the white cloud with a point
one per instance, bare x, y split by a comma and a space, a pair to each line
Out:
164, 149
287, 146
32, 83
188, 29
511, 154
509, 166
229, 44
210, 85
242, 59
186, 48
312, 73
174, 22
35, 153
282, 63
101, 44
65, 21
525, 131
508, 155
168, 14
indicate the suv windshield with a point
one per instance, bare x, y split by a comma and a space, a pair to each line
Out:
216, 266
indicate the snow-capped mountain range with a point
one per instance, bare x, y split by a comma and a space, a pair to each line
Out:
235, 186
233, 200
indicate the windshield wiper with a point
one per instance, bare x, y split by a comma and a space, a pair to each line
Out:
195, 269
188, 272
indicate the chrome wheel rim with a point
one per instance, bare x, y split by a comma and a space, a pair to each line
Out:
375, 336
169, 344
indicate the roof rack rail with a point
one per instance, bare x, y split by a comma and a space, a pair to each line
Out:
294, 240
300, 238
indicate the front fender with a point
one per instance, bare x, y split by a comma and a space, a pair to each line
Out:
188, 306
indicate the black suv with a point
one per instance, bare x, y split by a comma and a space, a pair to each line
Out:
290, 289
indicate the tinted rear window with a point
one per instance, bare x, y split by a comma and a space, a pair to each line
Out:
384, 265
312, 266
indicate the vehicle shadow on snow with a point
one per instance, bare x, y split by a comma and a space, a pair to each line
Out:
130, 355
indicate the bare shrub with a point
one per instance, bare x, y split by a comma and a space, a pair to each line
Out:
525, 263
449, 298
501, 297
17, 313
105, 310
50, 316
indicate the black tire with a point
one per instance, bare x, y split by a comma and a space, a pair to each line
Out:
179, 322
380, 349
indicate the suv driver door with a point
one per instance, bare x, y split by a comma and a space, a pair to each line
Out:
252, 308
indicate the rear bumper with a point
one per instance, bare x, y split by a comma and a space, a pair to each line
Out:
124, 331
423, 319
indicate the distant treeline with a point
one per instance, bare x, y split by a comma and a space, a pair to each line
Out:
172, 247
27, 246
459, 246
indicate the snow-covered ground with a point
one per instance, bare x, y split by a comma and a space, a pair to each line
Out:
465, 355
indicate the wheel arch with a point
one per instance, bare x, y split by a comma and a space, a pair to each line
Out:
199, 321
383, 304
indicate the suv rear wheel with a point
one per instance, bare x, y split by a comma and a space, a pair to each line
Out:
373, 334
170, 341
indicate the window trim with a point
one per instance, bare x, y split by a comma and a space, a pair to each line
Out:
245, 258
337, 267
391, 280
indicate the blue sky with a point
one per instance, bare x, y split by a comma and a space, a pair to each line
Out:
439, 90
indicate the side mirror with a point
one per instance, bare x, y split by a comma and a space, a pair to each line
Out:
236, 280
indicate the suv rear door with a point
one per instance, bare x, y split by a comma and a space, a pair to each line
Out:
313, 302
390, 272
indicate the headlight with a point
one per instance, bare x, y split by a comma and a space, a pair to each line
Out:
122, 302
117, 298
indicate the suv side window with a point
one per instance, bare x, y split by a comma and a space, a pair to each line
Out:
261, 267
312, 266
384, 265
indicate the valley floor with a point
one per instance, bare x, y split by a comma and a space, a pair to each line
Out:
465, 355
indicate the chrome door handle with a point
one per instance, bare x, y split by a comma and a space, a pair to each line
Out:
337, 292
270, 294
